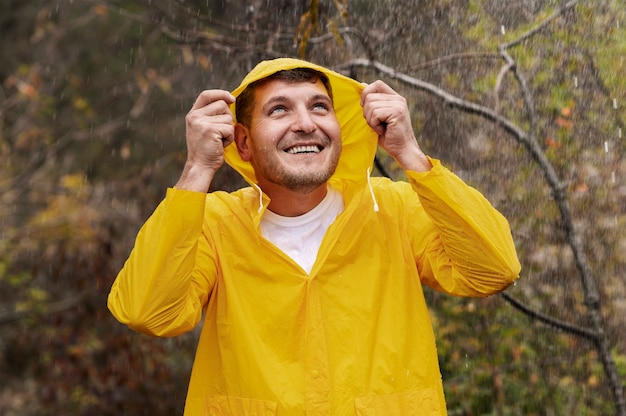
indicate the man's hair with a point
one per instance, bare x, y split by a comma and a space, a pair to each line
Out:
245, 100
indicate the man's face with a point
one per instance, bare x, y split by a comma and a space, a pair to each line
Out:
294, 138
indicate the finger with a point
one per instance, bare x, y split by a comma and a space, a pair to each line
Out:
223, 131
214, 111
215, 119
376, 87
374, 119
207, 97
228, 136
206, 119
202, 127
377, 123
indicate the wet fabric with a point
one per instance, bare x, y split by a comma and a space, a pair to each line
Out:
353, 336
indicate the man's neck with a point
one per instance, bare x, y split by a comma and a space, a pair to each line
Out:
290, 203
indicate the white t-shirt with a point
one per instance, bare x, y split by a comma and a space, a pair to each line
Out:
300, 237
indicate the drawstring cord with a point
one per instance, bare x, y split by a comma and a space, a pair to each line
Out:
369, 184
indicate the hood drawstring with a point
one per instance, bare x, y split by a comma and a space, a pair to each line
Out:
260, 197
369, 184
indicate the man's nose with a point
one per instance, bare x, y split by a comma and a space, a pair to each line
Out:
304, 122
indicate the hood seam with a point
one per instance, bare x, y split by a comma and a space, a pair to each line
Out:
260, 197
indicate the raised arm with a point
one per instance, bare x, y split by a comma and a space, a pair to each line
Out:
466, 247
169, 274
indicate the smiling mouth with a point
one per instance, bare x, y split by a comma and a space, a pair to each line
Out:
304, 149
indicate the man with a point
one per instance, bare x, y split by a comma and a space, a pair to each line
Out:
310, 279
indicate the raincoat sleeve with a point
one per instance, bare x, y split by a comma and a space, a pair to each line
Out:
166, 281
466, 249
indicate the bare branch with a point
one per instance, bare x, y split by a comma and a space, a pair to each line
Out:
540, 26
346, 31
549, 320
455, 102
590, 289
503, 71
381, 167
455, 57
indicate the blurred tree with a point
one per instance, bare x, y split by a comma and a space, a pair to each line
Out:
92, 111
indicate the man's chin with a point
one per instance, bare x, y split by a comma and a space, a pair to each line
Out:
305, 186
303, 182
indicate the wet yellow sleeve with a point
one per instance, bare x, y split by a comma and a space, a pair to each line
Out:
166, 281
467, 249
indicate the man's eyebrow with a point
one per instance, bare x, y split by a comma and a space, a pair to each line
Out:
322, 97
274, 100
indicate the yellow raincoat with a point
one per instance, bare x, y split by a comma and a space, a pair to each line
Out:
353, 337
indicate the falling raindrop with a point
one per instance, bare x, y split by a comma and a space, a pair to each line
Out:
502, 30
575, 82
606, 146
615, 103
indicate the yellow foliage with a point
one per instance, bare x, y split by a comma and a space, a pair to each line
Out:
67, 216
333, 29
204, 61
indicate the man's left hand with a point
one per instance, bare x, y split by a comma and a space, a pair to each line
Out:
387, 113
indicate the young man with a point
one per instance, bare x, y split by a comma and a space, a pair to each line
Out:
310, 279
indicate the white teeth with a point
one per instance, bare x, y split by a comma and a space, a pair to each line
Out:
303, 149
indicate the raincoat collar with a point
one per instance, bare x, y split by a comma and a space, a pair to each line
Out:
359, 141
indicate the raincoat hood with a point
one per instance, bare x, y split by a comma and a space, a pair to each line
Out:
359, 141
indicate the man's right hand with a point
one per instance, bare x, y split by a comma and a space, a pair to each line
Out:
209, 129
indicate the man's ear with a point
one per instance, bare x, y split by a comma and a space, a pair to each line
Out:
242, 140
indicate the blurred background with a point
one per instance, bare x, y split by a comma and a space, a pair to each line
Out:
523, 99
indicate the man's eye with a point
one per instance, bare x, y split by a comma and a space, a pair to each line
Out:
320, 106
278, 109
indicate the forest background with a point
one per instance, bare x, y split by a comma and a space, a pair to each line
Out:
523, 99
